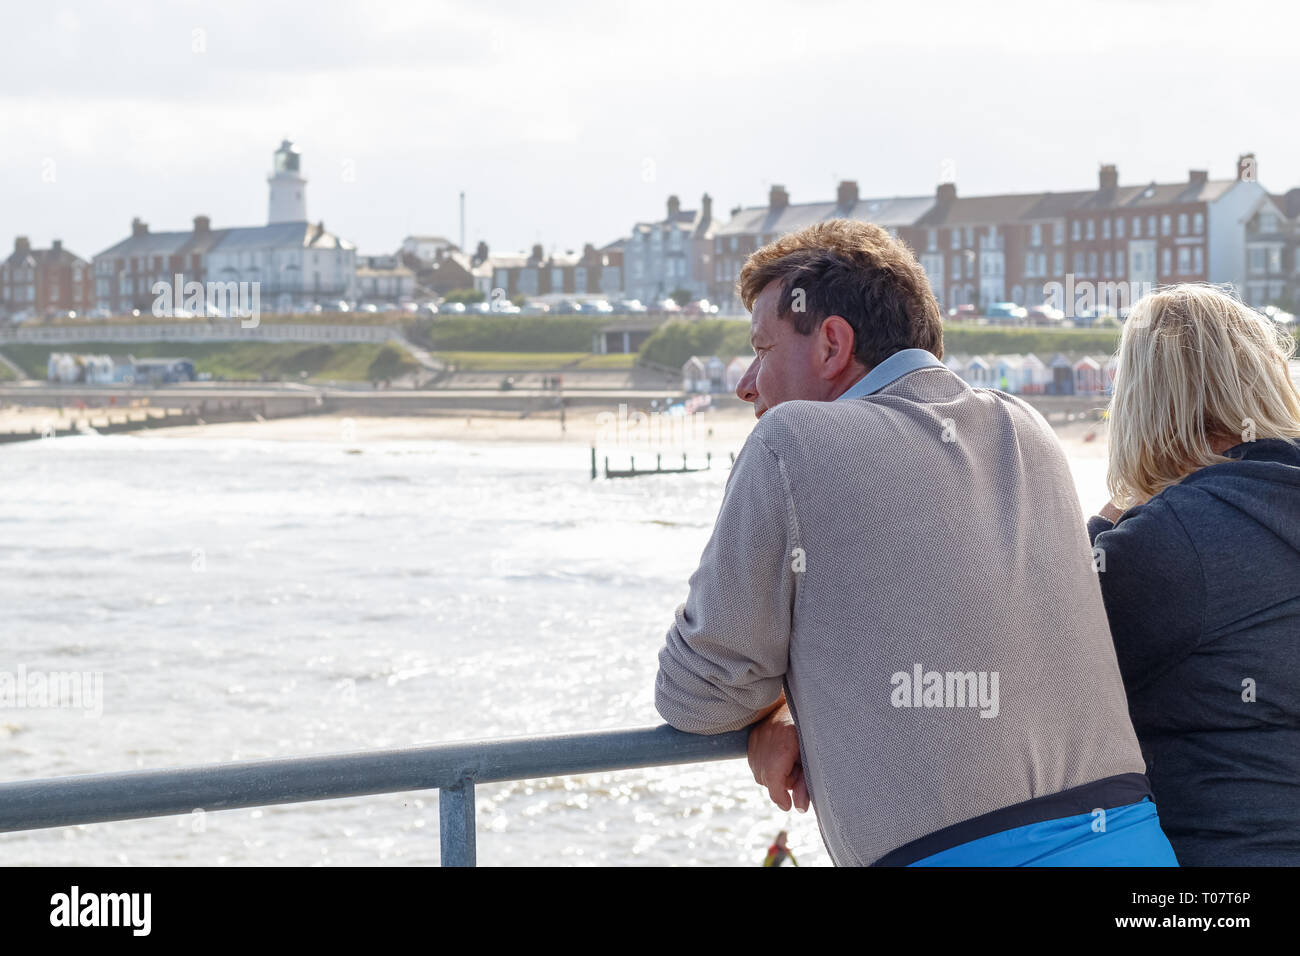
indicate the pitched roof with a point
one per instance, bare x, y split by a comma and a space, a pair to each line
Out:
762, 220
981, 210
278, 234
1157, 194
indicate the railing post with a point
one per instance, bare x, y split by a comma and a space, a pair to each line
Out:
456, 824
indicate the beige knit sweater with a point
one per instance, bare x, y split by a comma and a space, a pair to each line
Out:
929, 531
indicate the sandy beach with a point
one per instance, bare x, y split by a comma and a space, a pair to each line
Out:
718, 430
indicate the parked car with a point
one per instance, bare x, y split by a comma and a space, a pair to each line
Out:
596, 307
630, 306
536, 308
566, 307
963, 313
667, 305
1044, 315
700, 307
453, 308
1007, 313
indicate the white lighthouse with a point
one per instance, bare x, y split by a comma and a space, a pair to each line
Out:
288, 188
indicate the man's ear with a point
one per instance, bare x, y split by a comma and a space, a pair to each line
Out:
837, 342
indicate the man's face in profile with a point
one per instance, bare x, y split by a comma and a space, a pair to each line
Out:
784, 366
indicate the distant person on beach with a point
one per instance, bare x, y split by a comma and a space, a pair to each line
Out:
900, 592
1199, 554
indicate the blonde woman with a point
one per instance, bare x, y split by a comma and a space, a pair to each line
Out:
1199, 561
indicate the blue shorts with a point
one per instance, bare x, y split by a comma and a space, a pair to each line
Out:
1124, 836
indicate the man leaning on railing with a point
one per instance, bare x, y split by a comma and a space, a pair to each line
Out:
899, 588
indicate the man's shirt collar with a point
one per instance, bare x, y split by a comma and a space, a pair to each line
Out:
891, 370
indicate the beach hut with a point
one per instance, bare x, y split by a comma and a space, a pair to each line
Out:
1108, 370
978, 372
1007, 373
98, 369
736, 370
1034, 375
957, 364
1062, 381
716, 372
694, 377
1088, 377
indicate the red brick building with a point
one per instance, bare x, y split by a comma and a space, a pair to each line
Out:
41, 282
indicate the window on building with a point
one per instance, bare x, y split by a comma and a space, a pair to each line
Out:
1119, 263
1119, 227
1058, 233
1275, 259
1137, 227
1036, 235
1184, 260
1164, 262
931, 239
1198, 259
1078, 263
1151, 226
1092, 263
1165, 224
1076, 231
1198, 223
1105, 262
1267, 222
1105, 228
1058, 263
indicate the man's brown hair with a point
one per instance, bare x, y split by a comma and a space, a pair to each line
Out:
855, 270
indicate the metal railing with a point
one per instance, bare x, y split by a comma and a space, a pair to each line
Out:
453, 769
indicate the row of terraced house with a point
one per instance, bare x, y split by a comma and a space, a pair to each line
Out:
1111, 240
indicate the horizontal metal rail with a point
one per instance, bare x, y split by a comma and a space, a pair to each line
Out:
454, 769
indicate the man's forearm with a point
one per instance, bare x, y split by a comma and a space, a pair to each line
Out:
776, 705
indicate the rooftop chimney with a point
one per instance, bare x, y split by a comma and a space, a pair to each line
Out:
22, 244
139, 227
946, 193
735, 211
847, 194
202, 225
674, 207
480, 253
1108, 178
537, 255
1198, 177
778, 198
1247, 168
57, 246
706, 209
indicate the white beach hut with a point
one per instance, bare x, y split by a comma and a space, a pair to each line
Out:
1034, 375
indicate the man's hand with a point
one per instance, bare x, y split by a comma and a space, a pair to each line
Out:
774, 759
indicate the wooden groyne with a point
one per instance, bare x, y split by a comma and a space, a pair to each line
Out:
633, 472
109, 422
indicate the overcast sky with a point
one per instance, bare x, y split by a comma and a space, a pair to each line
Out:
566, 122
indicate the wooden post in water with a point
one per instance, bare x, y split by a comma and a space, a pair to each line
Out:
593, 462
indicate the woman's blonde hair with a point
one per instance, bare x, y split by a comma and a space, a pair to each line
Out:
1196, 367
